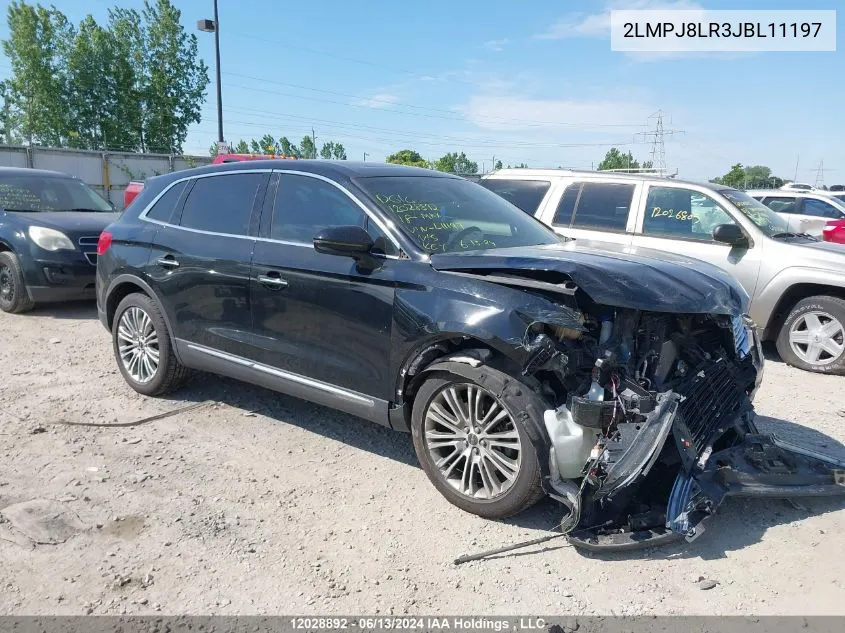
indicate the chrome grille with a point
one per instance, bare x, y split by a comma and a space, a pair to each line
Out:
89, 241
92, 258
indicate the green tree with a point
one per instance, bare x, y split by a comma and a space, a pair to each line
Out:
307, 148
269, 146
175, 81
213, 150
333, 150
407, 157
37, 47
455, 163
614, 159
98, 71
241, 147
498, 165
734, 178
288, 148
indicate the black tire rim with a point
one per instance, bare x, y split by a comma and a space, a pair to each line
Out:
7, 284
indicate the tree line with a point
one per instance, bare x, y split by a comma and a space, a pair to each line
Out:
135, 83
269, 146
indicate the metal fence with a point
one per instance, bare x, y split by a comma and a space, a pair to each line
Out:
108, 173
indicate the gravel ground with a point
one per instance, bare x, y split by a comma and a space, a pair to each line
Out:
263, 504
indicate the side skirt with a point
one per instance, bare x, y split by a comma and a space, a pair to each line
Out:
217, 362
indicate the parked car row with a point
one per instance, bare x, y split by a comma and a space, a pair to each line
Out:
796, 282
804, 211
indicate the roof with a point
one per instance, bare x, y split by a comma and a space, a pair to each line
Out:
27, 171
328, 168
603, 175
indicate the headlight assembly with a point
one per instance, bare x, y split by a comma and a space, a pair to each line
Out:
50, 239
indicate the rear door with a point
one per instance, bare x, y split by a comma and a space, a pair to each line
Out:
814, 213
321, 319
201, 257
595, 210
680, 219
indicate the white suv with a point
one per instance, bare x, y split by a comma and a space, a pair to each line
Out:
796, 283
804, 211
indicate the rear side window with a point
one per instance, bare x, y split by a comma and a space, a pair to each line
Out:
590, 205
162, 210
820, 209
782, 204
222, 204
525, 194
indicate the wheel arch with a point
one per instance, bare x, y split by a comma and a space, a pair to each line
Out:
126, 284
793, 294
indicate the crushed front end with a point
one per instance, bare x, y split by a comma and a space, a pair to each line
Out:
653, 424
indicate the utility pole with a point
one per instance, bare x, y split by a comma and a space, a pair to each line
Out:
797, 160
213, 26
365, 156
820, 175
658, 142
314, 140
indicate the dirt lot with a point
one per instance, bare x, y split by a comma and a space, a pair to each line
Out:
261, 503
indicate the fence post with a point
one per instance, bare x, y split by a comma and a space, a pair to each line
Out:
106, 179
170, 163
30, 160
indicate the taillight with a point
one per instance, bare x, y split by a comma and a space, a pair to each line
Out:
104, 242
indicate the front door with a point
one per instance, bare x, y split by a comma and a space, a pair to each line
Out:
681, 220
200, 260
321, 316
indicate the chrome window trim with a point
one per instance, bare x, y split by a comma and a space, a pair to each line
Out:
353, 396
143, 215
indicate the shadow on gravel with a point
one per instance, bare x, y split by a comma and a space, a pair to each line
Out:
348, 429
78, 310
770, 352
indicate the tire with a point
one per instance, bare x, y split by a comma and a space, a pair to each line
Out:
801, 342
14, 298
513, 398
139, 314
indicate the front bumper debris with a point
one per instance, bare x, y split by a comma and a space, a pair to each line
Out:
692, 452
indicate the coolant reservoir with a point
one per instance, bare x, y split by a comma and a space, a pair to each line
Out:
572, 442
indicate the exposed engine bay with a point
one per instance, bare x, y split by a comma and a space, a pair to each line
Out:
652, 423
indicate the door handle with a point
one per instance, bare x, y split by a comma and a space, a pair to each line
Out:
168, 262
272, 281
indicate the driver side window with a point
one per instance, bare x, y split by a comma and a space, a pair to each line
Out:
680, 213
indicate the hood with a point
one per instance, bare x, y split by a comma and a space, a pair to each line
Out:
803, 252
616, 275
74, 223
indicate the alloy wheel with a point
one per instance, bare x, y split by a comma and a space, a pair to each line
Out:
817, 338
473, 441
137, 342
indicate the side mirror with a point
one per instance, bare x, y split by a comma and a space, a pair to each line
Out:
729, 234
351, 241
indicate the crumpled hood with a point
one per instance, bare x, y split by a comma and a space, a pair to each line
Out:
616, 275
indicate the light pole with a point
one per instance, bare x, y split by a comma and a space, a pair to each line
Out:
213, 26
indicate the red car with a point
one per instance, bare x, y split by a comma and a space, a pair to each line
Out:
134, 187
834, 231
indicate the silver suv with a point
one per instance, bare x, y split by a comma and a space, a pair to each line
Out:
796, 283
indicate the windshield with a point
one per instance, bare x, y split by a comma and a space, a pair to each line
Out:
445, 215
766, 220
45, 193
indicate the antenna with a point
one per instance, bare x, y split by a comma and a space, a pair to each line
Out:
657, 137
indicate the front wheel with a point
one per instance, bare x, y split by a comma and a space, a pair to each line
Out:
473, 445
813, 335
13, 295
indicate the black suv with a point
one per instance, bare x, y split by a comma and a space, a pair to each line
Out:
522, 365
49, 227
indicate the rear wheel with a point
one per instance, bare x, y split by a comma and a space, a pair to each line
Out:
472, 443
142, 347
13, 294
813, 335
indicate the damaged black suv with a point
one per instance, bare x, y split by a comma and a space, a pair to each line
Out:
619, 383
